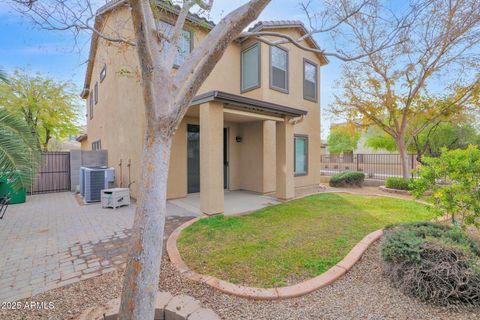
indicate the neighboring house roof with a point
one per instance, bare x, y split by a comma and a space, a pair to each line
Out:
288, 24
115, 4
246, 102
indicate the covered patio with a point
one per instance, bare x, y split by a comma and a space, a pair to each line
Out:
238, 149
235, 202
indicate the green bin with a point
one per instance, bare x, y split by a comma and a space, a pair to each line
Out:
19, 196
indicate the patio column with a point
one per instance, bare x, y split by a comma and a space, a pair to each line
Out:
284, 150
211, 158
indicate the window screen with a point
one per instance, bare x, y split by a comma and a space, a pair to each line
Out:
278, 68
251, 67
301, 155
184, 42
310, 81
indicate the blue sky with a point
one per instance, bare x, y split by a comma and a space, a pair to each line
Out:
23, 45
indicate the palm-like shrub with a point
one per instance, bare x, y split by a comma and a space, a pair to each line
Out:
18, 150
3, 76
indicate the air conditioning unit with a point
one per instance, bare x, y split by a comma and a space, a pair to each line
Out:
94, 180
82, 177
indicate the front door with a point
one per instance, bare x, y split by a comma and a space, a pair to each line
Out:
225, 158
193, 154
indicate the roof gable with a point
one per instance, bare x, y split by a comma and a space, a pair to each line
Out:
290, 24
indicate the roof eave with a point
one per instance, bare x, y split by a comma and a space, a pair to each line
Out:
247, 102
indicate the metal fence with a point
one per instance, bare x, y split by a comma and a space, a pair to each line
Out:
53, 174
375, 166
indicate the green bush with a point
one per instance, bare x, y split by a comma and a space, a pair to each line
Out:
454, 180
433, 262
347, 179
398, 183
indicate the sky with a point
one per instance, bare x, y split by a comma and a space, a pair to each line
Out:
55, 53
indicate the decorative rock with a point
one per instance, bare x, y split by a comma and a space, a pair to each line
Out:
163, 298
203, 314
180, 307
167, 307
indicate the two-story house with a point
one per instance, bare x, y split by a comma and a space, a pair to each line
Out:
254, 125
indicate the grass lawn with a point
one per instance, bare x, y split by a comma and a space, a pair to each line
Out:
290, 242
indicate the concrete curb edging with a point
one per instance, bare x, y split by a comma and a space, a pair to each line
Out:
297, 290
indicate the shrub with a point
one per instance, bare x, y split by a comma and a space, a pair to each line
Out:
433, 262
458, 196
347, 179
398, 183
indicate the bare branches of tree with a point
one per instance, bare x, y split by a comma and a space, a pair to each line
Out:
436, 59
76, 16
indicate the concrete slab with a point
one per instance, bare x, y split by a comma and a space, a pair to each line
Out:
236, 202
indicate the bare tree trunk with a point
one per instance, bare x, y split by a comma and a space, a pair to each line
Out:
143, 265
402, 150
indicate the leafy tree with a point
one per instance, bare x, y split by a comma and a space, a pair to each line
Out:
3, 76
451, 135
49, 107
342, 138
441, 135
18, 149
392, 88
454, 179
377, 139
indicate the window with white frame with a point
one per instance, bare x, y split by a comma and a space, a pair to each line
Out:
250, 73
278, 69
184, 45
310, 81
97, 145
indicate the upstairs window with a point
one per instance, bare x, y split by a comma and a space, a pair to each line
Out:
97, 145
278, 69
310, 83
184, 46
90, 111
96, 92
250, 62
301, 155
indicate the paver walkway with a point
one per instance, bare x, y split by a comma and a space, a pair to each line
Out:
51, 241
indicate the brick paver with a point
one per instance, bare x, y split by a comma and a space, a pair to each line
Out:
52, 241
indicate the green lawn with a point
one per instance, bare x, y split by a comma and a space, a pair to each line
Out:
287, 243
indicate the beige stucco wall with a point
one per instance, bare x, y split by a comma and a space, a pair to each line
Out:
118, 119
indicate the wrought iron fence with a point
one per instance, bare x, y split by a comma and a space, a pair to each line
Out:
53, 174
375, 166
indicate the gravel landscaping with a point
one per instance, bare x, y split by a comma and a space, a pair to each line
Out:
364, 293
